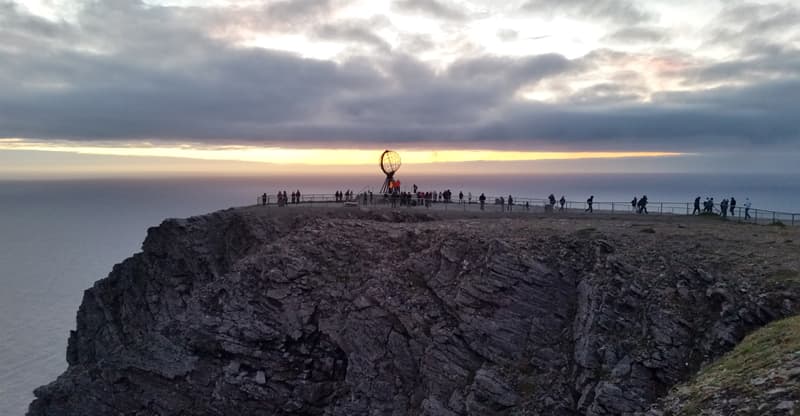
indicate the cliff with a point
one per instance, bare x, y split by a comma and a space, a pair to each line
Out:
297, 311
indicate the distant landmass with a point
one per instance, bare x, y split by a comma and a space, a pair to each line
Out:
344, 311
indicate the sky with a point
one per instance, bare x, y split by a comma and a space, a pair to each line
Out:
102, 87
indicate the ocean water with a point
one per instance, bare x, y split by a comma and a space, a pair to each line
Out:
58, 237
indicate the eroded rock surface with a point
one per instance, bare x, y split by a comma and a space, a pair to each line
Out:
332, 312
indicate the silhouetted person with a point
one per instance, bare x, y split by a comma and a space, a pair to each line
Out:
723, 208
264, 199
634, 204
293, 197
460, 197
589, 202
510, 203
562, 201
482, 199
733, 205
298, 196
747, 208
643, 204
527, 206
415, 188
370, 197
552, 200
696, 206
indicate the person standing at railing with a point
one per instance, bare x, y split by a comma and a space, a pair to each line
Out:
562, 201
510, 203
723, 208
297, 196
733, 206
482, 200
747, 208
264, 199
643, 204
634, 203
696, 206
589, 202
460, 197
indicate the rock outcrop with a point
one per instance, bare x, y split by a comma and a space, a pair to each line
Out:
343, 312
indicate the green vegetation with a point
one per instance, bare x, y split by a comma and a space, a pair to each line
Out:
732, 375
785, 276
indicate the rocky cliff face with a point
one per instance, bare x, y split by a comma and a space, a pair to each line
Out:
339, 312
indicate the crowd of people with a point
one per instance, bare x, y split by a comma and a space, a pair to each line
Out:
725, 207
425, 198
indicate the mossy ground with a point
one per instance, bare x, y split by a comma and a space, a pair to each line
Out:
747, 371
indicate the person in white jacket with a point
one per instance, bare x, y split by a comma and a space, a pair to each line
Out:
747, 205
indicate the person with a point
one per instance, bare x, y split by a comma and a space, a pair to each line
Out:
510, 203
733, 205
723, 208
370, 197
696, 206
365, 198
460, 197
482, 200
562, 201
747, 208
552, 200
643, 204
527, 206
293, 197
634, 204
297, 196
415, 188
589, 202
264, 199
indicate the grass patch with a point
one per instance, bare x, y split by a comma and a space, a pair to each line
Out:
778, 223
785, 276
754, 357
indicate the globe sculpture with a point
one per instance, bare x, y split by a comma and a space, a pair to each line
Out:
390, 163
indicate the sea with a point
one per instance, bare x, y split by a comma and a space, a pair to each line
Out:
57, 237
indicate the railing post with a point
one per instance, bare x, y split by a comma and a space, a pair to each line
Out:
661, 212
687, 208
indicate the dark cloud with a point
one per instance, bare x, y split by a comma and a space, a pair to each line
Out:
742, 24
353, 31
617, 11
637, 34
433, 8
129, 71
507, 35
291, 13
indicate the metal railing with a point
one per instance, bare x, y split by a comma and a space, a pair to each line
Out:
539, 205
